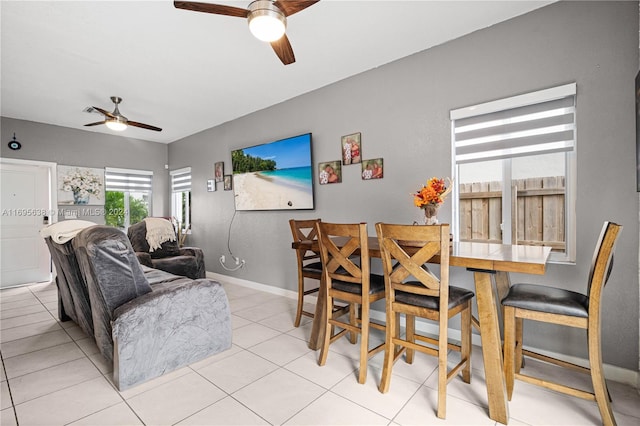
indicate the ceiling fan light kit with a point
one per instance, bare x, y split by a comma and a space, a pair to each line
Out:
266, 21
117, 125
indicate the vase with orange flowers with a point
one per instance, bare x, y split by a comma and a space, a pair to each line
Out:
431, 196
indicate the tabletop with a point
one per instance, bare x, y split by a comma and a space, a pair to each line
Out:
478, 255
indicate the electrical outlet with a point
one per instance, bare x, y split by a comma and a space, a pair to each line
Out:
237, 260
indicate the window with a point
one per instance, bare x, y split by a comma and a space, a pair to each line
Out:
181, 197
127, 196
514, 162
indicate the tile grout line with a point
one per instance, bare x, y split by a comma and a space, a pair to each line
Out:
13, 406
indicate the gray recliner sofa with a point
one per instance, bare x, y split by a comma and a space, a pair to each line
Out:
146, 321
73, 296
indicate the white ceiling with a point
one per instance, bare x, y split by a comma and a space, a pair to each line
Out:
187, 71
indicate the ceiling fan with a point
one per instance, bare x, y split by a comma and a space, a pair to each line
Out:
267, 20
116, 121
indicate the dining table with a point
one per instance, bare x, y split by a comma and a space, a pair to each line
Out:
490, 263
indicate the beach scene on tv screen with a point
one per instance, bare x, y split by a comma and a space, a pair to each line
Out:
274, 176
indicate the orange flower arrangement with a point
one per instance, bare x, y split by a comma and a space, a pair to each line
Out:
433, 193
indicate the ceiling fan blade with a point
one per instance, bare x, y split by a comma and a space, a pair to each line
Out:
105, 112
218, 9
144, 126
96, 123
283, 49
289, 7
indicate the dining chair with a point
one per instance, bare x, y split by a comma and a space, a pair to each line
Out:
568, 308
309, 266
347, 277
413, 290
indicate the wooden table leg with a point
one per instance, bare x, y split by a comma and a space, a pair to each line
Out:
491, 348
503, 282
319, 320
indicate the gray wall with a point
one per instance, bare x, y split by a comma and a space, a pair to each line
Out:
402, 111
71, 147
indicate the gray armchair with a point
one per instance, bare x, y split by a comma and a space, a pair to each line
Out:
184, 261
147, 321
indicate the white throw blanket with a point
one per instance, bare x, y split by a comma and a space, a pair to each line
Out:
61, 232
159, 231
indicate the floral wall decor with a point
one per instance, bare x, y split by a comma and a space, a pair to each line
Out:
80, 185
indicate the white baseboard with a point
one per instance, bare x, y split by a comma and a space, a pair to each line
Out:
611, 372
254, 285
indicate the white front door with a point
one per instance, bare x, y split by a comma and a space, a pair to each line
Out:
25, 199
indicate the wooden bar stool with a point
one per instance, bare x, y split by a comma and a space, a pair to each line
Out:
413, 290
309, 266
347, 277
568, 308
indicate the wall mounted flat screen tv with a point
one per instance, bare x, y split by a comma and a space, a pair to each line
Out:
274, 176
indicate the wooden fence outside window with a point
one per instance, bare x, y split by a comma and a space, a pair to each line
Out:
538, 214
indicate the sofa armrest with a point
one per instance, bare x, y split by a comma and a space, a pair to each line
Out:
192, 251
196, 252
144, 259
175, 325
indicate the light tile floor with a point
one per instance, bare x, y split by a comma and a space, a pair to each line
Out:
54, 375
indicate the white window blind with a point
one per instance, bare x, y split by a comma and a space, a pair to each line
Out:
126, 180
181, 180
534, 123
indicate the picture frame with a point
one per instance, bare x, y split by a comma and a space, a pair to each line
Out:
218, 171
227, 183
351, 147
211, 185
330, 172
80, 186
372, 169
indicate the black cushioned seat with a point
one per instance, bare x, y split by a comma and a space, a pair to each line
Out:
376, 285
547, 299
457, 296
313, 267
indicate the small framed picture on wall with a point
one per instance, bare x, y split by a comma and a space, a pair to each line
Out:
211, 185
351, 148
219, 171
372, 169
227, 182
329, 172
